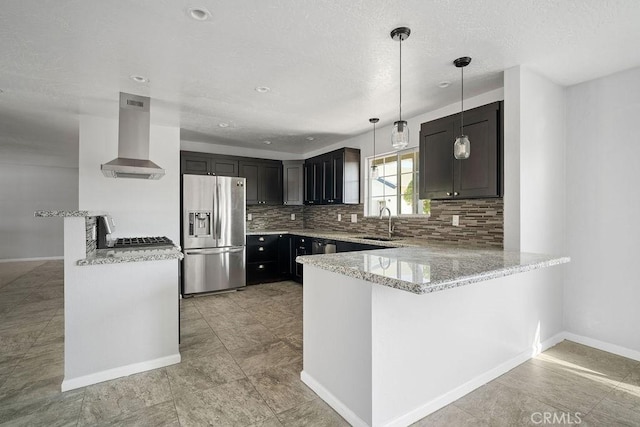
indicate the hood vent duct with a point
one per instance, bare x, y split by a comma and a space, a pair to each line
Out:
133, 141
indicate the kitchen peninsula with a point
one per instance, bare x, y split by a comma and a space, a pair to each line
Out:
392, 335
120, 305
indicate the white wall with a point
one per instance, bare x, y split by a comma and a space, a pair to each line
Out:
535, 133
383, 135
38, 170
139, 207
534, 182
230, 150
25, 189
602, 295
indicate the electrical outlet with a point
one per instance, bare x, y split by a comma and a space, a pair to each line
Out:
354, 217
455, 220
293, 217
339, 217
249, 217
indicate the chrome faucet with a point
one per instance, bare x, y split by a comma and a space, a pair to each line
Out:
389, 213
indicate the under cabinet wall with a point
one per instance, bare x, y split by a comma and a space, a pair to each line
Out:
271, 217
481, 221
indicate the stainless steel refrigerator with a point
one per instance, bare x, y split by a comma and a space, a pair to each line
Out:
213, 233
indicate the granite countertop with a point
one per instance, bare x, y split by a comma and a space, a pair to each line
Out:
395, 242
118, 256
431, 268
60, 214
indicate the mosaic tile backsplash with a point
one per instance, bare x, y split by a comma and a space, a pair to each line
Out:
481, 221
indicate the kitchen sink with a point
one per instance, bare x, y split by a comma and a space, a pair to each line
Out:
379, 239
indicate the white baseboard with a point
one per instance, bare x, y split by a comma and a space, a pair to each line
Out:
469, 386
122, 371
604, 346
435, 404
332, 401
51, 258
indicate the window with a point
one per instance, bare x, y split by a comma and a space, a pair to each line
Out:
396, 186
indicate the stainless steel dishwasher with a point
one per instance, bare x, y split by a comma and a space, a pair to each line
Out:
323, 246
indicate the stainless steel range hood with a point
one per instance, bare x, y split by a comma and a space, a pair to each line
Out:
133, 141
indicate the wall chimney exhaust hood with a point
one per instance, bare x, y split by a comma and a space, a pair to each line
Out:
133, 141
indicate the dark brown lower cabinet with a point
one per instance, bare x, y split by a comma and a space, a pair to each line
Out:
262, 259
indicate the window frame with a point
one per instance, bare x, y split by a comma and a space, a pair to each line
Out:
416, 174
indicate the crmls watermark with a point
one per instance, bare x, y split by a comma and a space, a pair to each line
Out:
556, 418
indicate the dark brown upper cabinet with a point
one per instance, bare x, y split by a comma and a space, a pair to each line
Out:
313, 181
293, 182
333, 178
480, 176
264, 181
207, 164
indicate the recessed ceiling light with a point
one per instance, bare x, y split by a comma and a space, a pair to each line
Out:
139, 79
263, 89
310, 138
199, 13
267, 142
223, 125
444, 84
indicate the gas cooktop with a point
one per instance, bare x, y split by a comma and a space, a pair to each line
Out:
142, 242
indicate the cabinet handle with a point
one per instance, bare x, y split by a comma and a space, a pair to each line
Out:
261, 239
302, 240
260, 249
261, 267
455, 193
448, 194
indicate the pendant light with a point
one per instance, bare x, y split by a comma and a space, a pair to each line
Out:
462, 146
400, 132
374, 167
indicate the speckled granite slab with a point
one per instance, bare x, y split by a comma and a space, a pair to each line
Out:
56, 214
396, 242
118, 256
432, 269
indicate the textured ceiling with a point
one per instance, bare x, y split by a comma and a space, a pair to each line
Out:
330, 64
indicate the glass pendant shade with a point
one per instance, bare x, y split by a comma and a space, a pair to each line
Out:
462, 148
374, 172
400, 135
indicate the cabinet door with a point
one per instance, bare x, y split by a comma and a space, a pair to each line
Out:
312, 183
328, 190
224, 167
270, 188
195, 165
337, 161
293, 183
436, 159
285, 258
477, 176
250, 171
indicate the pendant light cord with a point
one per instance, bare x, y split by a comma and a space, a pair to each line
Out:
400, 77
374, 144
462, 102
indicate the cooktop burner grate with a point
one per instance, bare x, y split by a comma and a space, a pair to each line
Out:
137, 242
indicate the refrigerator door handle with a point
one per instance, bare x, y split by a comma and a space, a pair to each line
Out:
218, 230
213, 251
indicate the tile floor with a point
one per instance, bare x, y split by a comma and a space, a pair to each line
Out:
242, 356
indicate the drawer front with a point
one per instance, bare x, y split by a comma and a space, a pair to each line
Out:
262, 252
259, 272
264, 240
